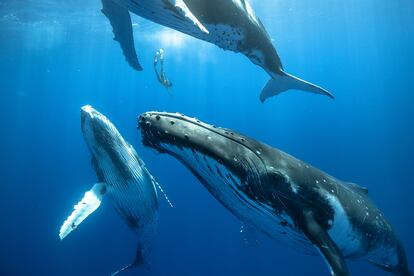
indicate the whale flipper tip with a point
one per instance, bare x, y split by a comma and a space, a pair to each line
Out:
88, 204
122, 28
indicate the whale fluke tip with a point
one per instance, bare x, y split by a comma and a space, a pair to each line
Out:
283, 82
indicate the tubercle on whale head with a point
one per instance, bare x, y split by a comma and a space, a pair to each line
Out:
161, 131
221, 153
210, 148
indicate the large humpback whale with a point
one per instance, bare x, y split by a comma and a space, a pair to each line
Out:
230, 24
280, 195
123, 177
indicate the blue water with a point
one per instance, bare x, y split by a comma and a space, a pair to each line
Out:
56, 57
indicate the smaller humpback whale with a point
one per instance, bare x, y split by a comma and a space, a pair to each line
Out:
278, 194
123, 177
230, 24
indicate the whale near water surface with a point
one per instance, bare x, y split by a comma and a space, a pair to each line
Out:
230, 24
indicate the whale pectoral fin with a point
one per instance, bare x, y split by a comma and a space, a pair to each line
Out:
324, 243
88, 204
283, 82
182, 8
122, 28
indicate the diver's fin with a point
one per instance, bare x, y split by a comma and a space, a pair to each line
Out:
156, 184
323, 242
140, 259
89, 203
122, 28
282, 82
358, 188
181, 8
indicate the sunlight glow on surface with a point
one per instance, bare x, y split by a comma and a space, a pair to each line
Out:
181, 47
169, 37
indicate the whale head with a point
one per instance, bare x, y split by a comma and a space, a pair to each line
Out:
233, 167
193, 141
108, 148
100, 134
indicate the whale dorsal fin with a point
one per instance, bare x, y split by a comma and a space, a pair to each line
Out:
358, 188
122, 27
182, 8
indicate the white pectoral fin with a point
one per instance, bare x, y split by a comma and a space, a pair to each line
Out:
182, 8
89, 203
122, 28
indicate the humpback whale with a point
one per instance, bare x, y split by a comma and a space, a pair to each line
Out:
123, 177
285, 198
230, 24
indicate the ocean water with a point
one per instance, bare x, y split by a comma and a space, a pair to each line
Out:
56, 56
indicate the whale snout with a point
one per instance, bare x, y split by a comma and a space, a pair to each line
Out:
155, 128
99, 133
88, 114
87, 109
159, 129
90, 124
144, 120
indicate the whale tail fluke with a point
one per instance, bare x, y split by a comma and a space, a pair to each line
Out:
282, 82
124, 269
140, 259
400, 270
